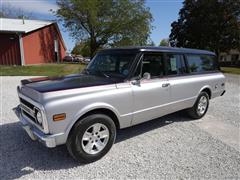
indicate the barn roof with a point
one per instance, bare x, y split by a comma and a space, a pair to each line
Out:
25, 26
22, 26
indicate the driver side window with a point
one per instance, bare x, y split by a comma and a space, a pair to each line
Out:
153, 64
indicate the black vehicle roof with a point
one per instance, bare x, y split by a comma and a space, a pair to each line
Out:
160, 49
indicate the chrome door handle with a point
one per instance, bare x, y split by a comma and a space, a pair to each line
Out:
165, 84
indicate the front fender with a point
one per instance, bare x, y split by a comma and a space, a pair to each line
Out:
88, 108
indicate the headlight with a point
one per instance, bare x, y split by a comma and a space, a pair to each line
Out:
39, 117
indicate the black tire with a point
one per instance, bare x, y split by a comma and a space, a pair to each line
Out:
74, 141
193, 111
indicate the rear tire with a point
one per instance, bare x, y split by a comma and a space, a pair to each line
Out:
200, 107
91, 138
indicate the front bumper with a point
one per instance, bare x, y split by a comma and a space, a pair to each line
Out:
35, 133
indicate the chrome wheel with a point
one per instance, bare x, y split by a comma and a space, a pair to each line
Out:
202, 105
95, 138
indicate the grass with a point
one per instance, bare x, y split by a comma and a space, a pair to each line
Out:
41, 70
231, 70
63, 69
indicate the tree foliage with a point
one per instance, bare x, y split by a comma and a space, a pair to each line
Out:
82, 48
207, 24
150, 42
164, 42
106, 22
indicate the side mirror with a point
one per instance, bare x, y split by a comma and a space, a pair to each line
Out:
136, 81
146, 75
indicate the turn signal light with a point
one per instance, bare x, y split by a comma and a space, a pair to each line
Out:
59, 117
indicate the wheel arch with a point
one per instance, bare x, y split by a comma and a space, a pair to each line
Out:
104, 111
93, 109
207, 89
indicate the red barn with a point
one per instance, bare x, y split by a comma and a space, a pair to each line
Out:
25, 42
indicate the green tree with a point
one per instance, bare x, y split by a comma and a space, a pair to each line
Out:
164, 42
106, 22
81, 48
77, 49
207, 24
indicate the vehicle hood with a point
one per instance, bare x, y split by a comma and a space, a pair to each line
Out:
49, 84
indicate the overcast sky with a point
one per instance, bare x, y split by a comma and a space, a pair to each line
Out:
164, 13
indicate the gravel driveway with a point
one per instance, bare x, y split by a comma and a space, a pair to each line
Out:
171, 147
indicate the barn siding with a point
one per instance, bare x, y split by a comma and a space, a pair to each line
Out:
39, 46
9, 49
62, 50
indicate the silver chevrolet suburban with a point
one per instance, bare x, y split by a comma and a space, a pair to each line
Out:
119, 88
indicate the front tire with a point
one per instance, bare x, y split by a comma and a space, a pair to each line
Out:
91, 138
200, 107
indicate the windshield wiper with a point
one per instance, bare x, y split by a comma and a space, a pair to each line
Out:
103, 73
88, 71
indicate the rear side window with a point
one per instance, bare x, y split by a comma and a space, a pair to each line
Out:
201, 63
175, 64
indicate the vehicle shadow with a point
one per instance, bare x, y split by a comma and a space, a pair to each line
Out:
21, 156
142, 128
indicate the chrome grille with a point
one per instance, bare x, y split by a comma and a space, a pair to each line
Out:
28, 110
26, 103
29, 116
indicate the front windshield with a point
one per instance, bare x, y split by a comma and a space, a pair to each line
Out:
111, 64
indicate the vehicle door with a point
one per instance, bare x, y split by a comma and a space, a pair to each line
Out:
187, 82
181, 84
151, 93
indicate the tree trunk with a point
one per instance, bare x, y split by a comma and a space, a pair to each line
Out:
217, 52
93, 46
